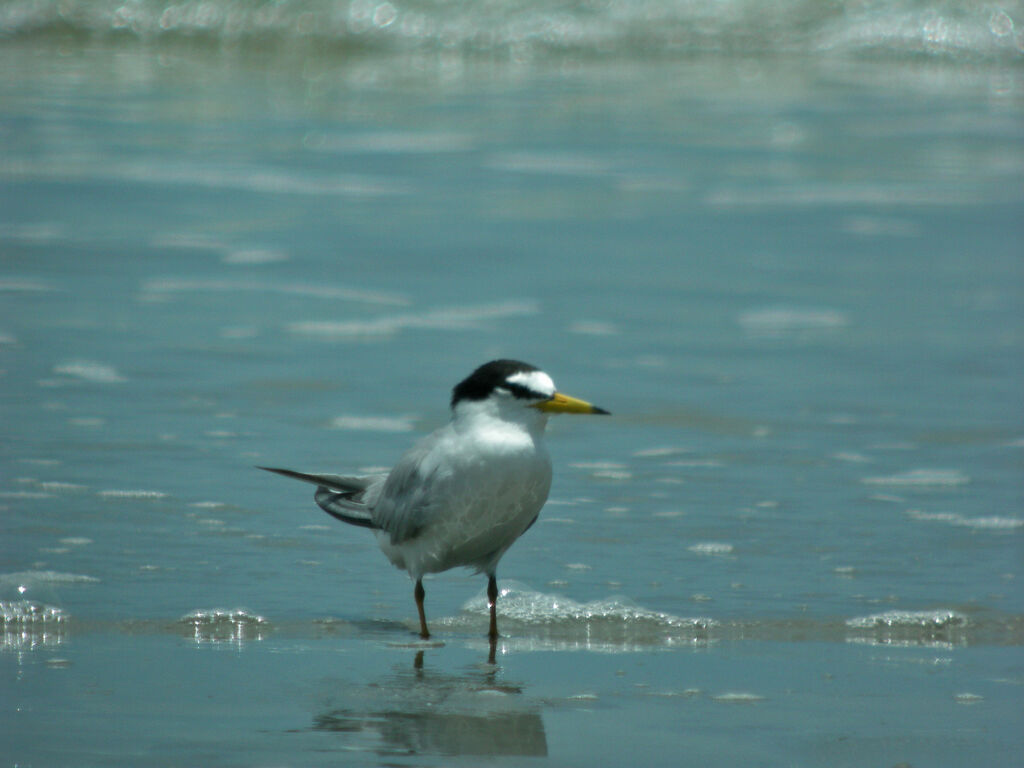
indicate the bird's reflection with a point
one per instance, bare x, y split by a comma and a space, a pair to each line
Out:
420, 711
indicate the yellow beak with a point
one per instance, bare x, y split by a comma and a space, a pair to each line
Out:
564, 404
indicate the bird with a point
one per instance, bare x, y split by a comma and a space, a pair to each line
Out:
462, 495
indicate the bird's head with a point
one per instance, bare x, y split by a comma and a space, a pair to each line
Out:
513, 388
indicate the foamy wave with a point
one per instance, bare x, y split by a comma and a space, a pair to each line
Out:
779, 321
373, 423
840, 195
24, 495
170, 285
26, 625
254, 256
660, 452
613, 623
593, 328
739, 697
45, 577
527, 29
393, 142
939, 619
61, 487
449, 319
711, 548
20, 613
75, 541
15, 285
554, 164
219, 625
919, 478
89, 370
131, 493
940, 628
231, 253
923, 28
255, 178
993, 522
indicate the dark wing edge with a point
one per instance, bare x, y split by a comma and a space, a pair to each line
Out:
337, 495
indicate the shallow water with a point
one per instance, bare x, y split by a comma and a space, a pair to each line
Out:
787, 261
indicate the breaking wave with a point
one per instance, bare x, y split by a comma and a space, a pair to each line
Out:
613, 623
224, 626
528, 29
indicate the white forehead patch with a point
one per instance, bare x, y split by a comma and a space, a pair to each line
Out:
535, 381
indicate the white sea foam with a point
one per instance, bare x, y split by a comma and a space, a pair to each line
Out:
695, 463
35, 232
20, 613
519, 32
876, 226
839, 194
22, 580
739, 697
245, 178
597, 465
61, 487
449, 318
852, 457
87, 421
991, 522
188, 241
172, 285
16, 285
550, 163
711, 548
220, 625
374, 423
131, 493
968, 698
660, 452
518, 602
26, 625
89, 370
605, 470
254, 256
782, 321
231, 253
920, 478
593, 328
393, 142
928, 620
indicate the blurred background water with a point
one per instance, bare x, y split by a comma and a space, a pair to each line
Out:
780, 241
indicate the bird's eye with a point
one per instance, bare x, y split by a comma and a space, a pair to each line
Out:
519, 391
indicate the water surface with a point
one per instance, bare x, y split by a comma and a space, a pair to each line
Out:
781, 244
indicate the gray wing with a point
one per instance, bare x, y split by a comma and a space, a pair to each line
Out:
407, 499
347, 498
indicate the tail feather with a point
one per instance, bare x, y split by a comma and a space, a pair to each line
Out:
337, 495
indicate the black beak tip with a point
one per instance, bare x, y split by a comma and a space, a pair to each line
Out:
602, 411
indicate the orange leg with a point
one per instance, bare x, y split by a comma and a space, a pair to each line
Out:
492, 603
419, 593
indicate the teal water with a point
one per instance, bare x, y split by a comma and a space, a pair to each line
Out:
785, 255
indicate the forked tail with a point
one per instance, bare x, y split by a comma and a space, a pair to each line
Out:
339, 496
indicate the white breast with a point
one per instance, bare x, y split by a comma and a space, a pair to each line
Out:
483, 487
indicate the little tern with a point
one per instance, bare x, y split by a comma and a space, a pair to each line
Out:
466, 492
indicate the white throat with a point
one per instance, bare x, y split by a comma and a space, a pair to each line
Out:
499, 413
